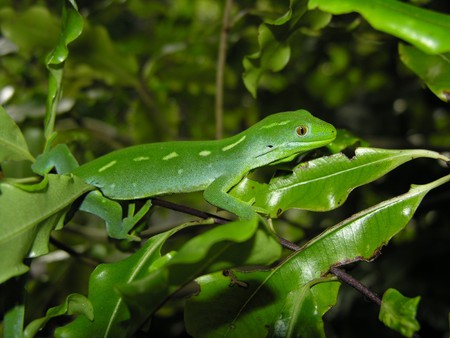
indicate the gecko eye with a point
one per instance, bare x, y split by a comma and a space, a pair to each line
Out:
301, 130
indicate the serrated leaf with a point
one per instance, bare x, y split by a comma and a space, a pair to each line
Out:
25, 234
253, 310
13, 146
399, 312
434, 70
324, 183
75, 304
420, 27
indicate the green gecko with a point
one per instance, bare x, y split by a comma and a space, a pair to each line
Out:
154, 169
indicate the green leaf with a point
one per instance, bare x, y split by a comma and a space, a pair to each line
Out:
399, 312
301, 315
75, 304
253, 305
137, 286
13, 146
25, 234
33, 29
71, 28
106, 62
13, 322
111, 314
434, 70
425, 29
273, 40
324, 183
197, 256
273, 56
345, 139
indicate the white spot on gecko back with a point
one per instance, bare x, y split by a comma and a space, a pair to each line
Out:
109, 165
170, 156
230, 146
141, 158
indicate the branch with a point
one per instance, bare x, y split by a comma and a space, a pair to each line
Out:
221, 58
190, 211
349, 280
85, 259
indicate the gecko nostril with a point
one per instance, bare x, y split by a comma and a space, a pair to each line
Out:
269, 146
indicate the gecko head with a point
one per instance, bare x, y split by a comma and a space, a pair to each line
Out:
280, 137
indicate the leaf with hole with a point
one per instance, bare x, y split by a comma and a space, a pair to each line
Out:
253, 309
324, 183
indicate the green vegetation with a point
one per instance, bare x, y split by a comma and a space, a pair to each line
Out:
368, 210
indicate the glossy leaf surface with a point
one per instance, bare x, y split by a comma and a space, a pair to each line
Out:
253, 310
136, 287
420, 27
434, 70
324, 183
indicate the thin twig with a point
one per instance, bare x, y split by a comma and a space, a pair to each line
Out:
361, 288
221, 59
357, 285
189, 211
88, 260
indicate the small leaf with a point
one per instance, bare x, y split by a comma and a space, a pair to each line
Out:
13, 146
75, 304
273, 56
273, 39
423, 28
399, 312
71, 28
434, 70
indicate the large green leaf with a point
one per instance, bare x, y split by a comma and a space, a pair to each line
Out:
12, 143
137, 286
254, 306
111, 315
434, 70
420, 27
209, 250
324, 183
25, 233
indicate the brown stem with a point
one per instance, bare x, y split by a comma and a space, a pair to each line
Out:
189, 211
88, 260
221, 59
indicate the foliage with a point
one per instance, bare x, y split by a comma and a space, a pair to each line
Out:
121, 73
